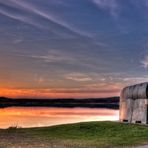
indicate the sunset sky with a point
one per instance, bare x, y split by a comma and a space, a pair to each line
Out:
72, 48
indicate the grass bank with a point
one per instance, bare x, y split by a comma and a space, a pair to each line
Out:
79, 135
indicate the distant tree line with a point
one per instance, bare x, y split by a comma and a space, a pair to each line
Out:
112, 102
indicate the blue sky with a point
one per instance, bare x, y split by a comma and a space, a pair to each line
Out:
72, 48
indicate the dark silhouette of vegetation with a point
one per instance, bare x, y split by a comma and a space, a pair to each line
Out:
112, 102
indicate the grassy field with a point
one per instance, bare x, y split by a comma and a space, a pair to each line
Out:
79, 135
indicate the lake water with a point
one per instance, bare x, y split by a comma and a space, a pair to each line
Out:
45, 116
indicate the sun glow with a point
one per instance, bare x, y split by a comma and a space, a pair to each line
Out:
53, 93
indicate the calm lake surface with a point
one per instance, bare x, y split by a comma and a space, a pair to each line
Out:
45, 116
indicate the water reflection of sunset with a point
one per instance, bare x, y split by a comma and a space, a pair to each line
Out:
29, 117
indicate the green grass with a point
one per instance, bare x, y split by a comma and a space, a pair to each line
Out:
82, 135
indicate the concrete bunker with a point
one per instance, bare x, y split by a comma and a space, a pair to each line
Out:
134, 104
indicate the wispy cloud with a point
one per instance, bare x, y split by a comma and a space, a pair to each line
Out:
12, 13
78, 77
55, 56
109, 5
145, 62
62, 57
50, 17
87, 91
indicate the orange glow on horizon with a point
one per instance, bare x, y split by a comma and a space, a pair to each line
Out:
54, 93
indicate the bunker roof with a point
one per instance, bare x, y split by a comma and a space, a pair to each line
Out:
138, 91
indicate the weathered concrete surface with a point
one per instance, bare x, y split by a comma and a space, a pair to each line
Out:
134, 103
139, 111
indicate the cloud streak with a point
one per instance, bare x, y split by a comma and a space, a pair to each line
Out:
62, 57
109, 5
78, 77
33, 9
54, 56
9, 12
145, 62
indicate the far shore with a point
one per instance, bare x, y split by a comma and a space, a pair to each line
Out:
112, 102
